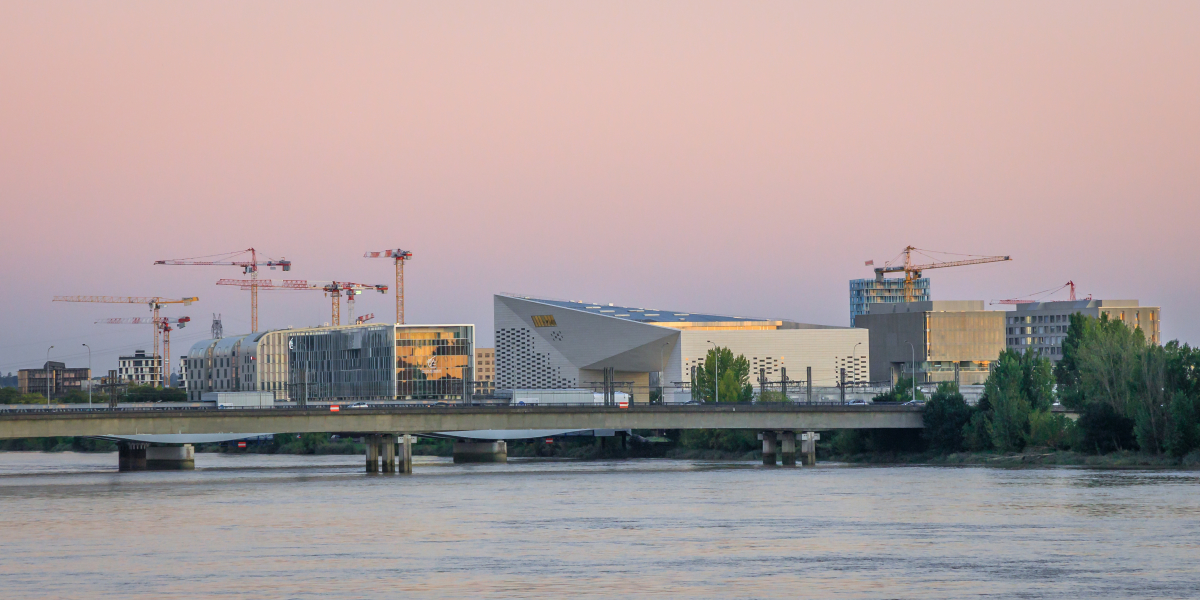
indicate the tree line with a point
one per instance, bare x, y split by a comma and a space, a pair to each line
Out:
1130, 394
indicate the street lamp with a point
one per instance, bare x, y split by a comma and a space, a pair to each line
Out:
716, 373
854, 354
662, 374
89, 375
914, 369
49, 387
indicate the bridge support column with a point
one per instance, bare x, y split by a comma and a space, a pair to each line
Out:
476, 452
171, 458
787, 452
768, 439
404, 446
389, 453
809, 447
372, 442
131, 456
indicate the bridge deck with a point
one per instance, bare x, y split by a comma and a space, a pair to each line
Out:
798, 417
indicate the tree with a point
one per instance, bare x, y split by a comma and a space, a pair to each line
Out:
946, 414
1018, 385
735, 377
901, 392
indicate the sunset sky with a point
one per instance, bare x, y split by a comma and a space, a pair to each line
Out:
729, 157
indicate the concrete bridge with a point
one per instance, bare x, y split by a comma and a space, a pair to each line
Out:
390, 427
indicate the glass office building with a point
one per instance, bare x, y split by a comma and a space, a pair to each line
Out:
432, 362
882, 291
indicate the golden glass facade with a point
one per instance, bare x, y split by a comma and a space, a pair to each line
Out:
432, 362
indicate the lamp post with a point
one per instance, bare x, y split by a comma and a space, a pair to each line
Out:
49, 372
716, 373
662, 374
914, 369
89, 375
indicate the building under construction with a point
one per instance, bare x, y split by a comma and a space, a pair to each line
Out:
912, 287
883, 291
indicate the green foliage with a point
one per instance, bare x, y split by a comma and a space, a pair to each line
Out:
735, 377
1018, 385
946, 414
1106, 362
1104, 429
149, 393
977, 435
848, 442
1183, 435
901, 392
57, 444
727, 440
10, 395
1049, 430
773, 396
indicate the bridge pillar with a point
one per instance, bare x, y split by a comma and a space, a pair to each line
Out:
404, 446
389, 453
131, 456
768, 439
787, 452
475, 452
171, 458
809, 447
372, 442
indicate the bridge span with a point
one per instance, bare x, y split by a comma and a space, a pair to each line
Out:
416, 420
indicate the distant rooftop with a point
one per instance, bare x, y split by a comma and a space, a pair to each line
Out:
669, 318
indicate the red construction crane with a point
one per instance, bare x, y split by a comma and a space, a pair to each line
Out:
332, 288
400, 256
364, 318
1043, 293
248, 266
913, 272
154, 302
164, 325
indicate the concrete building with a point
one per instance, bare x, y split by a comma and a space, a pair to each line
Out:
52, 380
944, 336
371, 361
1042, 326
140, 369
864, 292
557, 344
485, 370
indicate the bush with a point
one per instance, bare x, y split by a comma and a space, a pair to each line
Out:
976, 433
1183, 433
1048, 430
1105, 430
945, 416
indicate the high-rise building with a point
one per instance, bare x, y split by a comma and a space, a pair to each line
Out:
882, 291
1042, 326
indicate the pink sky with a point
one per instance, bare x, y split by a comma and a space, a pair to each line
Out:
739, 158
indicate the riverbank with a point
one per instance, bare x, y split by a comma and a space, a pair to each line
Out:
1032, 457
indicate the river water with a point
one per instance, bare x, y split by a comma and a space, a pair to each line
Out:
247, 526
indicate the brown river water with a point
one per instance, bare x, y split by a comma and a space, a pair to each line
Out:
251, 526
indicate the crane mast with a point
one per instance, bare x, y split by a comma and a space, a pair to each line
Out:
400, 257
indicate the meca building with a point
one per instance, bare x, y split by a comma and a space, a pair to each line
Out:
557, 344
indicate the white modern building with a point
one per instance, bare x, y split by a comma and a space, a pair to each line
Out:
542, 344
371, 361
1042, 326
140, 369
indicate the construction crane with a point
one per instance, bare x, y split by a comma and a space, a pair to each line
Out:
164, 325
154, 302
248, 266
364, 318
335, 289
400, 256
912, 272
1043, 293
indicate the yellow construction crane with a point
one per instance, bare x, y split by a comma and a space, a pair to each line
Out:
154, 302
401, 257
912, 272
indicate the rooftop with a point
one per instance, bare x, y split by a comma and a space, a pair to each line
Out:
671, 318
